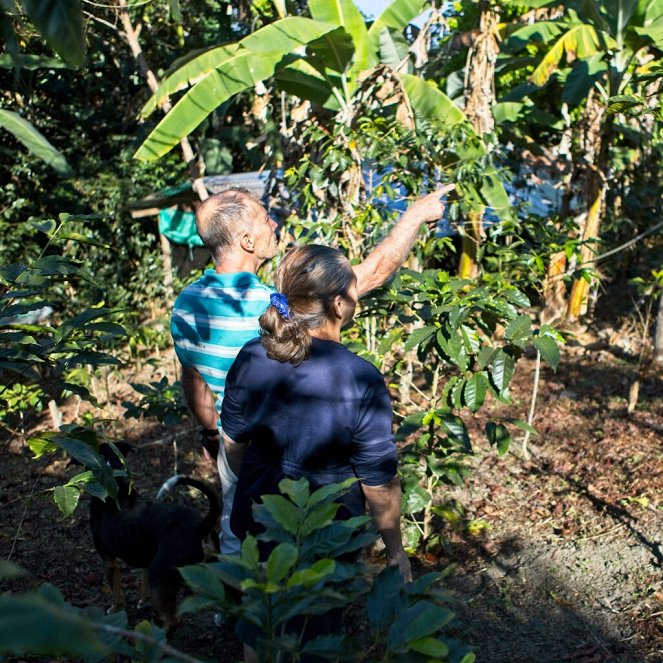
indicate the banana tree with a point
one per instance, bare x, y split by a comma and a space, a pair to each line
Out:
324, 59
319, 59
603, 44
479, 109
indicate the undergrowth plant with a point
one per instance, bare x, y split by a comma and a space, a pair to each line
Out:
39, 348
308, 572
467, 336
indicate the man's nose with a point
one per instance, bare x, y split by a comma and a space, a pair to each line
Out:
273, 224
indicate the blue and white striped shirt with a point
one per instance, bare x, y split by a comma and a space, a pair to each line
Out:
213, 318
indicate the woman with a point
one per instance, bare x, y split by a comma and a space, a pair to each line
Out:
298, 403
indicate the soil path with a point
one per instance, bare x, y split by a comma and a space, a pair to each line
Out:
569, 564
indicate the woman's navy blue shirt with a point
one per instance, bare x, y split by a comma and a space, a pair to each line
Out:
327, 419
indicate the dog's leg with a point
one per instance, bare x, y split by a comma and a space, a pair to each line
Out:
165, 601
115, 582
144, 590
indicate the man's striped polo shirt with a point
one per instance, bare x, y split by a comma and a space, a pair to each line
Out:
213, 318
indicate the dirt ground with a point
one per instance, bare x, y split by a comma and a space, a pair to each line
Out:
569, 568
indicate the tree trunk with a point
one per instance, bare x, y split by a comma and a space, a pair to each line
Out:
595, 143
658, 334
131, 36
479, 111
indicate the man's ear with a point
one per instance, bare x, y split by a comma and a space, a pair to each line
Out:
247, 242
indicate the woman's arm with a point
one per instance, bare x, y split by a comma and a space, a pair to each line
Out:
385, 505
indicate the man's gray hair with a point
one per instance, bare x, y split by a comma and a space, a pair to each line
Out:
222, 217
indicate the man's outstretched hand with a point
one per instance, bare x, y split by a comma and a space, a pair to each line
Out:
429, 208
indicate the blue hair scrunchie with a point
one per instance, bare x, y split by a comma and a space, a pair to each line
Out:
280, 302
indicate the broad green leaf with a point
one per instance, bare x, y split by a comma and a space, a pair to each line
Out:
457, 431
346, 14
237, 74
494, 194
397, 16
474, 393
35, 142
60, 22
383, 601
419, 337
188, 74
539, 31
579, 42
332, 53
88, 482
280, 561
502, 370
31, 62
498, 435
430, 103
82, 239
430, 647
549, 350
519, 329
583, 77
331, 491
318, 518
623, 103
298, 491
249, 552
79, 323
416, 500
40, 445
40, 623
653, 32
523, 425
416, 622
52, 265
67, 499
303, 80
394, 49
283, 512
313, 575
508, 111
485, 356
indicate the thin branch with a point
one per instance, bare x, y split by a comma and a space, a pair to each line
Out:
153, 642
532, 406
24, 514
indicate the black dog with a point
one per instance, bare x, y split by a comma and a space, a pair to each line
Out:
155, 536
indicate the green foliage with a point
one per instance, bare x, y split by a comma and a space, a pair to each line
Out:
319, 58
42, 623
304, 575
162, 400
81, 444
41, 355
468, 336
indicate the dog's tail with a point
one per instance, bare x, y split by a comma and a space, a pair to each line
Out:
211, 520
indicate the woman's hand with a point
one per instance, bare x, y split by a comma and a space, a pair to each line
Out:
385, 505
402, 561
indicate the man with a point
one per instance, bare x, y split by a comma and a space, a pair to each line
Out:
217, 314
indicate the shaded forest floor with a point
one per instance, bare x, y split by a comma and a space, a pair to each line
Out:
569, 568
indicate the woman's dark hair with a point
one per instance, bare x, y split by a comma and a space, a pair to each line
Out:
310, 277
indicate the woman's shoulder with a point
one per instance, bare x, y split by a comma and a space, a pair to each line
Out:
354, 363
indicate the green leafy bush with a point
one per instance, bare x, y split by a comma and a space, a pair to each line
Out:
305, 575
